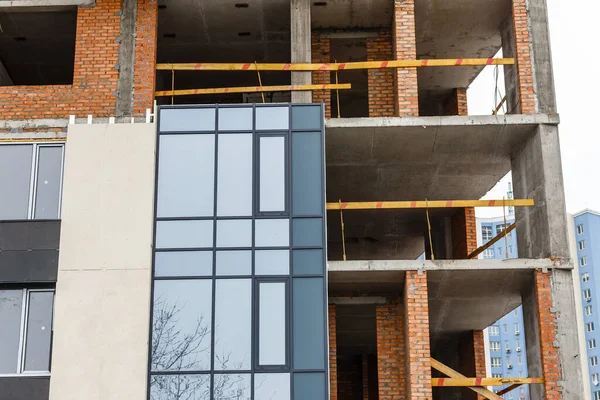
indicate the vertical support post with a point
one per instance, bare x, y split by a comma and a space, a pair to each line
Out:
511, 77
479, 357
300, 46
391, 353
550, 327
333, 395
380, 81
464, 233
321, 53
405, 48
416, 336
523, 57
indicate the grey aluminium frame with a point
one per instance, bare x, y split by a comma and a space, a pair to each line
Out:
255, 279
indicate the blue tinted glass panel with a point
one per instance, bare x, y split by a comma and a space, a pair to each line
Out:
184, 234
187, 119
307, 173
235, 119
234, 233
233, 312
232, 387
235, 262
307, 262
177, 387
307, 232
309, 386
309, 323
183, 263
307, 117
269, 118
272, 387
272, 232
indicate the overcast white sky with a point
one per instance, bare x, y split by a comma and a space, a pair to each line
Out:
575, 38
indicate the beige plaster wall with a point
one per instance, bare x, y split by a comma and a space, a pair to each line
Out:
100, 346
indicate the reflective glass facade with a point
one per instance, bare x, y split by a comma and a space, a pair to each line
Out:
239, 295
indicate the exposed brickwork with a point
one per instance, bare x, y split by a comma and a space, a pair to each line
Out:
457, 104
333, 387
365, 377
405, 48
381, 81
479, 357
95, 77
464, 233
523, 57
144, 76
551, 367
321, 53
416, 334
391, 363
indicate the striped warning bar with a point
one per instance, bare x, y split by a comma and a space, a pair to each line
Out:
252, 89
372, 205
454, 62
470, 382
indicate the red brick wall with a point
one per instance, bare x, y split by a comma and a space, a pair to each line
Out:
551, 368
332, 353
391, 363
405, 48
94, 78
523, 57
381, 81
464, 233
418, 352
479, 352
457, 104
321, 53
365, 377
144, 77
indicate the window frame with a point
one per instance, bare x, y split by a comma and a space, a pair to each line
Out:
495, 346
484, 235
496, 365
588, 310
35, 155
585, 277
581, 244
591, 344
583, 261
594, 361
23, 327
587, 294
258, 367
494, 330
286, 173
580, 229
589, 326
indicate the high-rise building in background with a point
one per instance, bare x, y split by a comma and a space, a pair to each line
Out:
505, 339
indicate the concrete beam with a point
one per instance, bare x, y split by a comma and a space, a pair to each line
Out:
448, 265
300, 46
537, 174
361, 300
455, 120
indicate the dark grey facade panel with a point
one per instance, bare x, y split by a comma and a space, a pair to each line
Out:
29, 235
25, 388
22, 266
29, 251
238, 325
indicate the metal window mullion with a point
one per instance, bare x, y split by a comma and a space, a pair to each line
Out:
32, 181
211, 394
23, 333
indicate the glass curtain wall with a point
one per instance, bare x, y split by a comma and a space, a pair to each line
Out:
239, 296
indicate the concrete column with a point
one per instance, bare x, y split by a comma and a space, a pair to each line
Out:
511, 77
126, 58
391, 354
416, 336
550, 336
301, 34
405, 48
471, 354
543, 78
537, 174
333, 393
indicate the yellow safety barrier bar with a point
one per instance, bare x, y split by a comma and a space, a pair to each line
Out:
371, 205
251, 89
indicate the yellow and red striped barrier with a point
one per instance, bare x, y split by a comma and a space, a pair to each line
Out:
371, 205
454, 62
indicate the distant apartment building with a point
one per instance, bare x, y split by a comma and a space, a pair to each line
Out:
586, 238
505, 342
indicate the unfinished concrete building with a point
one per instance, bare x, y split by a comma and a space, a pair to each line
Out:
133, 169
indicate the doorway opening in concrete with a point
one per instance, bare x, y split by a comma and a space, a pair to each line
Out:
37, 47
356, 352
353, 102
223, 32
